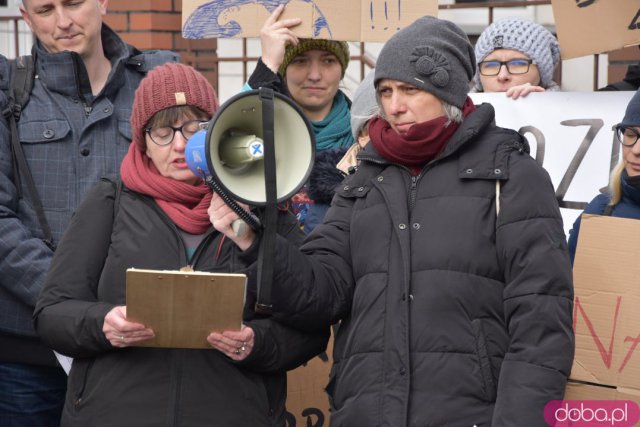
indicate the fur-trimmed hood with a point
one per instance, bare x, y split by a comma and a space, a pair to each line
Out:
325, 176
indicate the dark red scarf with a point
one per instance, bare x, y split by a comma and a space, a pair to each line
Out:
184, 203
422, 143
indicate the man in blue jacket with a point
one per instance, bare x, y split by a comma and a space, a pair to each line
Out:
74, 130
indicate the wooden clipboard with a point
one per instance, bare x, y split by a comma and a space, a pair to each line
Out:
182, 307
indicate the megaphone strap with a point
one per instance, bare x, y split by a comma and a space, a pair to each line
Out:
267, 244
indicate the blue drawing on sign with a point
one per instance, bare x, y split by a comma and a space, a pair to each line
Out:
385, 12
209, 19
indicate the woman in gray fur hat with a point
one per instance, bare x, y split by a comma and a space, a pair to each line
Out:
443, 256
516, 56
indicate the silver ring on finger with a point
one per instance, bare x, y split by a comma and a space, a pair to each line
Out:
122, 338
237, 351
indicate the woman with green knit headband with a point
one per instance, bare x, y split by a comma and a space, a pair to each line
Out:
309, 71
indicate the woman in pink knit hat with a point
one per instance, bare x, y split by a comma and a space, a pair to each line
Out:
156, 218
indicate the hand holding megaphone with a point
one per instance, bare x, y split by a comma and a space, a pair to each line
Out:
226, 221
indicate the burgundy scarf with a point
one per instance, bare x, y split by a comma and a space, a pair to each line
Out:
422, 143
184, 203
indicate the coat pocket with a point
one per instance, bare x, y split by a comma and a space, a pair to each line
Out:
124, 131
49, 152
484, 361
78, 382
43, 131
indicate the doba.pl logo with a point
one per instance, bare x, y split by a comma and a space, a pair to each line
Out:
592, 413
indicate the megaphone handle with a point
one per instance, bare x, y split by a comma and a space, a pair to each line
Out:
239, 227
245, 217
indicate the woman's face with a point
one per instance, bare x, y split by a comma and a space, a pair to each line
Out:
503, 80
631, 155
170, 159
312, 79
405, 105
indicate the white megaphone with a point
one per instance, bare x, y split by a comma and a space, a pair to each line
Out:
231, 153
259, 149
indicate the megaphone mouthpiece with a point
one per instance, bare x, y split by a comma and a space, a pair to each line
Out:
238, 148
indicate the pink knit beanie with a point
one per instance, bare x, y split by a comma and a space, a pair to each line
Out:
166, 86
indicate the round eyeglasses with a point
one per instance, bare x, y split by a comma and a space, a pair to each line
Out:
628, 136
514, 66
164, 135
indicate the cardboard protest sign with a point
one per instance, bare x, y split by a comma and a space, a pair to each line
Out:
606, 318
307, 402
570, 136
587, 27
354, 20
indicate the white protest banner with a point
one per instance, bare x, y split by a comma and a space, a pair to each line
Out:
352, 20
570, 136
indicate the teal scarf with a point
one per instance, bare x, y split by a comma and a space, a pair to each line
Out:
334, 131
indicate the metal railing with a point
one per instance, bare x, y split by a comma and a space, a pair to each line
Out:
14, 22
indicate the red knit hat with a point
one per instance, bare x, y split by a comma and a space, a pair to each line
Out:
166, 86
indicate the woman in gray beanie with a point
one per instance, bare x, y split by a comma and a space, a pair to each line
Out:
443, 256
516, 56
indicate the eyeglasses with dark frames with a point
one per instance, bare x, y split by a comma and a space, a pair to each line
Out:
627, 136
514, 66
164, 135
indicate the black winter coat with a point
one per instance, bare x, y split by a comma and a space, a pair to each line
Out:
151, 386
452, 313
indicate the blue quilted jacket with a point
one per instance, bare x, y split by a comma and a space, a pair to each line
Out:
628, 207
71, 139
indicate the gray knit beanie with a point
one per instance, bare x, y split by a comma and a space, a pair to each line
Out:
632, 114
525, 36
365, 104
432, 54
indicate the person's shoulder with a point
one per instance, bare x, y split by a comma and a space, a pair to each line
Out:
598, 204
147, 60
489, 138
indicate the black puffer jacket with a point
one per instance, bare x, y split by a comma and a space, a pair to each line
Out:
150, 386
452, 314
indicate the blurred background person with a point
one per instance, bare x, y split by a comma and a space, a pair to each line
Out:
330, 169
159, 220
516, 56
623, 196
309, 71
363, 109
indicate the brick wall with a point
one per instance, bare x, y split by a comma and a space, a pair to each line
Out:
156, 24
